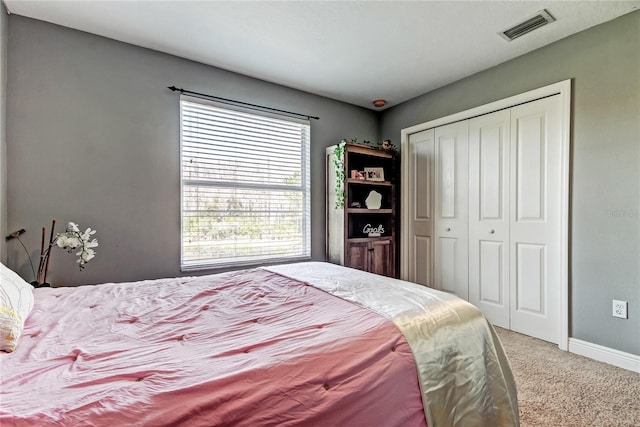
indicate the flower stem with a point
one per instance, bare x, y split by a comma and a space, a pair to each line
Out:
41, 263
51, 241
33, 270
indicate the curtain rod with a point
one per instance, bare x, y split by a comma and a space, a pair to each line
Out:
234, 102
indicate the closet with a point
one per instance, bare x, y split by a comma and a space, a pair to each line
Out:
484, 212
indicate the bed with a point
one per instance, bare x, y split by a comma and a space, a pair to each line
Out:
297, 344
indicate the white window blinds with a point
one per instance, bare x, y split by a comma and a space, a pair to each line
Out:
245, 187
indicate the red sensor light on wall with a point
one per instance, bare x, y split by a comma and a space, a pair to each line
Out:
379, 103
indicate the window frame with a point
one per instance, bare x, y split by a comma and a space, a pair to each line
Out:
305, 189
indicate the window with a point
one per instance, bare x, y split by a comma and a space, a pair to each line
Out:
245, 186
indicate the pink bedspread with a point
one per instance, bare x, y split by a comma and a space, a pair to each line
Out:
249, 348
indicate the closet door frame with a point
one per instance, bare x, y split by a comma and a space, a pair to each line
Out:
563, 89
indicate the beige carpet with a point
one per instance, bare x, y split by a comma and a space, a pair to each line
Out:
557, 388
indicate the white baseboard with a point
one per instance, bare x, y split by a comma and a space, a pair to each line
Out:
605, 354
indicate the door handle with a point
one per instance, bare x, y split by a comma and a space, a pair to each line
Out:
447, 229
492, 231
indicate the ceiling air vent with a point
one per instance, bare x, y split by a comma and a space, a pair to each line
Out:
538, 20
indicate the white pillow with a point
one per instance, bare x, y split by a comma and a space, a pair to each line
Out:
16, 302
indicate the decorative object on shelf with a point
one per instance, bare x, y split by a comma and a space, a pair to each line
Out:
374, 200
387, 145
374, 174
338, 161
356, 205
71, 239
371, 231
357, 174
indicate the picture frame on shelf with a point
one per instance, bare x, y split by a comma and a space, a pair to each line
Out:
355, 174
374, 174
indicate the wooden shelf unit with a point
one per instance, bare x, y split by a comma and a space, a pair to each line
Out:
357, 236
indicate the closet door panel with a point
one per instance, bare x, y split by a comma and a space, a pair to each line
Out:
421, 183
530, 282
451, 234
422, 269
447, 162
535, 218
530, 149
489, 148
491, 278
448, 265
489, 162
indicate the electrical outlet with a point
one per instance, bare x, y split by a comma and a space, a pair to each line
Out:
620, 309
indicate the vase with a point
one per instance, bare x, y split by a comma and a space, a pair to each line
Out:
35, 284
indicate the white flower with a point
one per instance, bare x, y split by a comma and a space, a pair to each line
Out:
72, 242
86, 255
72, 238
61, 241
87, 234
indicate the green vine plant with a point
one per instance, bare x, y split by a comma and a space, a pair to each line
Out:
338, 162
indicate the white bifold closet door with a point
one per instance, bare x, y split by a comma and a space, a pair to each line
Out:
514, 217
451, 228
489, 213
535, 217
419, 183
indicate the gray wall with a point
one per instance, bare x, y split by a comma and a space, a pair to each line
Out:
604, 64
3, 116
93, 137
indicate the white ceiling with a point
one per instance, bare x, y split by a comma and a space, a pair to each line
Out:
352, 51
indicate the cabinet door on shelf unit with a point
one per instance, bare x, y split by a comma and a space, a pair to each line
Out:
381, 257
375, 256
357, 255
